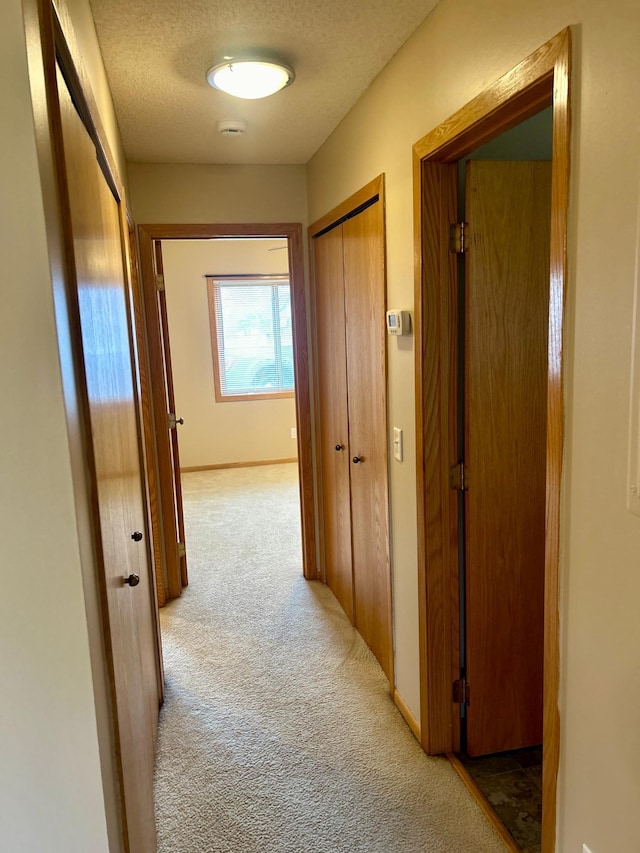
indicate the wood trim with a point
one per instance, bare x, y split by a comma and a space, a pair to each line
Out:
198, 231
409, 719
224, 465
292, 232
436, 413
541, 79
213, 336
244, 398
484, 804
555, 434
513, 98
362, 196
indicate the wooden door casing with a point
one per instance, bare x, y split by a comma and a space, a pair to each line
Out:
507, 299
334, 425
364, 276
108, 368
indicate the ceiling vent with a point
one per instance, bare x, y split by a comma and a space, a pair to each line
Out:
231, 127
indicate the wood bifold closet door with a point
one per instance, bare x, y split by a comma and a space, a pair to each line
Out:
350, 300
507, 296
103, 300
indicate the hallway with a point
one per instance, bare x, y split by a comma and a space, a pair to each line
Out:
278, 732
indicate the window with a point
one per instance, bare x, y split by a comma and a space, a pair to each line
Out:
251, 335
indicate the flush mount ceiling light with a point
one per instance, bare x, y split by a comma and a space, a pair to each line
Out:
250, 78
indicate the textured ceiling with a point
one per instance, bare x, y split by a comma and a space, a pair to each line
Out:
157, 52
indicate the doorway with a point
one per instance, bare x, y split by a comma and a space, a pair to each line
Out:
504, 199
539, 82
229, 321
292, 353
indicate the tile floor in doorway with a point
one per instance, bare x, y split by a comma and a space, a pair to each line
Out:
512, 784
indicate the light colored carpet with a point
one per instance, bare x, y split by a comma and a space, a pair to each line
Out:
278, 734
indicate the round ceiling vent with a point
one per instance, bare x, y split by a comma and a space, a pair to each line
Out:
232, 127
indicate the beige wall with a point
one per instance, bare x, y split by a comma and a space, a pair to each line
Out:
218, 433
462, 47
186, 193
51, 794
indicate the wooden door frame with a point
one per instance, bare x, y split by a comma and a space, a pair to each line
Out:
541, 80
51, 40
351, 205
292, 232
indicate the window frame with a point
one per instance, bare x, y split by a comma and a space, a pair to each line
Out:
213, 281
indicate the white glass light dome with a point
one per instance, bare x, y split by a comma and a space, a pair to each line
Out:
250, 78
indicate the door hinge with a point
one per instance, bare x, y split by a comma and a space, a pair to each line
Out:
182, 550
461, 691
458, 238
174, 421
160, 282
458, 477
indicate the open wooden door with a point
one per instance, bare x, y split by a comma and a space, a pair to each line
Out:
165, 420
507, 298
113, 457
174, 420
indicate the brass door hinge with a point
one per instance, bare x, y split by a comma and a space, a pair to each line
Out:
160, 282
458, 477
461, 691
182, 550
458, 238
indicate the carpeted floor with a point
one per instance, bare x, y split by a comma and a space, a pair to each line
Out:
278, 734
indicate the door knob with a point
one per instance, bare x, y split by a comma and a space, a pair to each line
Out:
357, 459
339, 446
137, 536
132, 580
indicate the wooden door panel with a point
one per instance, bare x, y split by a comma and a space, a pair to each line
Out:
171, 407
332, 372
108, 369
364, 274
507, 297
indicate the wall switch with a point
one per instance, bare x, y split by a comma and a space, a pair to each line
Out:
397, 443
585, 849
294, 432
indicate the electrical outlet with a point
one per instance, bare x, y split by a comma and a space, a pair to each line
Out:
294, 432
585, 849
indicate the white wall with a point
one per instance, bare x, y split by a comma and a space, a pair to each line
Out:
461, 48
51, 795
229, 432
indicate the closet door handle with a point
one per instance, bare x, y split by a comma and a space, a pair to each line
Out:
339, 446
357, 459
